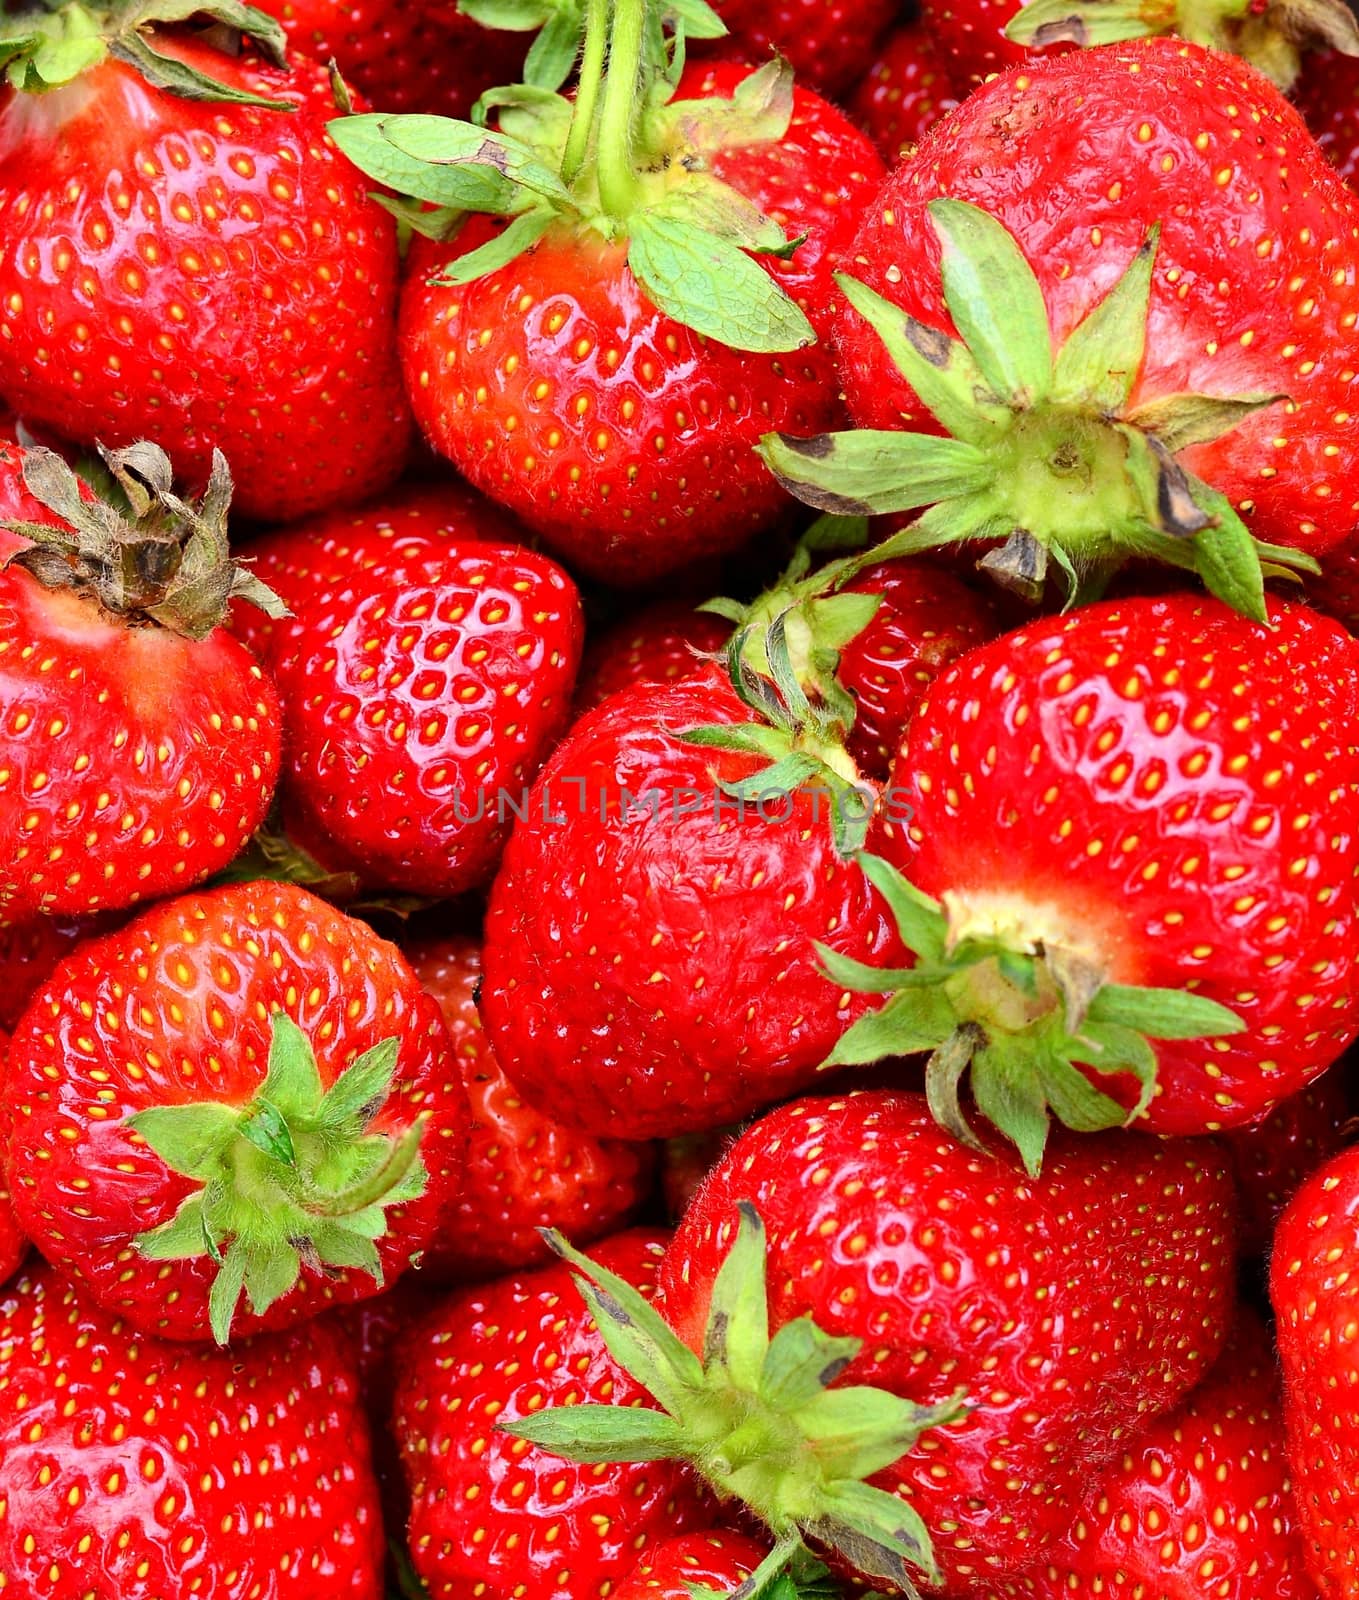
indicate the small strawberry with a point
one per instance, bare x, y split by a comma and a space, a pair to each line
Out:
183, 259
1016, 1334
242, 1090
492, 1516
905, 91
1117, 388
141, 740
524, 1171
718, 1560
826, 41
131, 1469
657, 644
1328, 97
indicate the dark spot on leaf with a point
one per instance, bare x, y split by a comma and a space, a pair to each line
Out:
715, 1338
1177, 511
833, 1370
611, 1308
491, 154
934, 346
1067, 30
817, 448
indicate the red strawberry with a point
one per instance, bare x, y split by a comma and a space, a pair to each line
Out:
490, 1515
140, 1470
1314, 1282
1124, 821
827, 41
29, 951
245, 1074
142, 740
606, 373
1015, 1333
1328, 97
524, 1171
404, 55
686, 1161
203, 275
654, 645
905, 91
1103, 236
13, 1244
718, 1559
1335, 589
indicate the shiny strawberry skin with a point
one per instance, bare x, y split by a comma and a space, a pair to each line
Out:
1099, 146
613, 997
1335, 589
30, 951
202, 275
419, 701
404, 55
905, 91
718, 1559
655, 644
826, 41
13, 1244
1327, 95
524, 1171
1173, 792
970, 37
624, 438
498, 1517
132, 1469
1072, 1309
174, 1008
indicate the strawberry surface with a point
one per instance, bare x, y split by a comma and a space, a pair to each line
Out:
826, 40
718, 1559
655, 644
905, 91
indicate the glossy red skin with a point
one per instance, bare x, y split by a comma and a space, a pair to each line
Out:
196, 1029
497, 1517
1273, 1160
404, 55
1335, 590
1313, 1286
414, 699
262, 323
524, 1171
29, 952
905, 91
13, 1244
718, 1559
658, 468
970, 37
1072, 1309
1044, 149
653, 645
136, 762
1070, 779
1327, 95
656, 975
132, 1469
827, 41
927, 619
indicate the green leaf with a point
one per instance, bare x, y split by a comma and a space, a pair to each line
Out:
880, 1536
269, 1274
1007, 1088
747, 738
839, 619
759, 112
506, 246
785, 777
871, 471
513, 16
698, 18
736, 1338
461, 188
716, 208
552, 55
340, 1245
1226, 557
920, 920
1182, 420
1110, 1049
225, 1294
1081, 22
265, 1126
1099, 363
859, 976
995, 302
183, 1238
292, 1083
189, 1139
444, 142
943, 1076
856, 1432
1163, 1013
1074, 1100
801, 1362
174, 76
912, 1021
594, 1434
361, 1090
713, 287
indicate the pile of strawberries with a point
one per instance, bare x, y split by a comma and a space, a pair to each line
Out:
679, 800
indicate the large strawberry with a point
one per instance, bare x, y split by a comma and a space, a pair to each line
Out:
490, 1515
182, 260
1015, 1333
605, 362
905, 91
1136, 823
1156, 329
242, 1091
136, 1470
524, 1171
141, 740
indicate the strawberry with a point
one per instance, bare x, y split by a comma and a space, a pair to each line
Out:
29, 951
1313, 1287
136, 1470
1138, 822
489, 1514
717, 1559
524, 1171
657, 644
1328, 98
243, 1089
13, 1244
1015, 1334
199, 268
604, 364
686, 1161
826, 41
1335, 589
142, 740
905, 91
1116, 389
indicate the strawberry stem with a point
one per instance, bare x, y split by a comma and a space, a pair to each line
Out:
587, 90
617, 178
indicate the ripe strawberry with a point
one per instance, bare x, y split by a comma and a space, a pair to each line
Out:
490, 1515
605, 364
687, 1161
1015, 1333
30, 950
1335, 589
1328, 98
654, 645
142, 741
905, 91
242, 1089
1313, 1286
135, 1470
1124, 821
524, 1171
717, 1559
1158, 425
205, 275
13, 1244
827, 41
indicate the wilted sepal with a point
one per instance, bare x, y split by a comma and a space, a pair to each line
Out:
760, 1419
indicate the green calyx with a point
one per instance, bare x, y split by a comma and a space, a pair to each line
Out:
1272, 36
1025, 1019
760, 1419
46, 46
296, 1177
147, 557
1044, 453
624, 162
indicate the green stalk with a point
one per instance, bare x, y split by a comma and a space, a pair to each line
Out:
617, 180
587, 90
